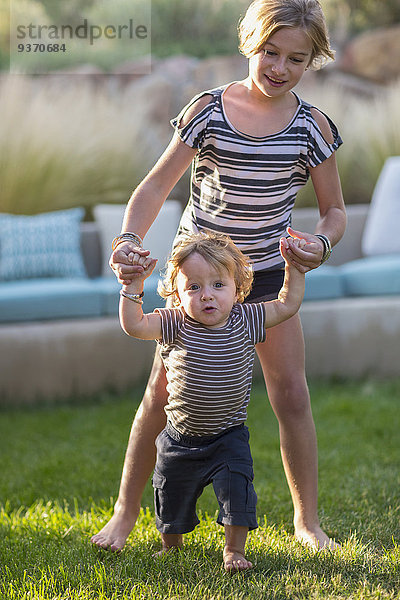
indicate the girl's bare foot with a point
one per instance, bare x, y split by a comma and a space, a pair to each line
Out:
235, 561
114, 533
316, 540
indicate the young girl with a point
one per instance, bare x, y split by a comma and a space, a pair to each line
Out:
207, 346
252, 144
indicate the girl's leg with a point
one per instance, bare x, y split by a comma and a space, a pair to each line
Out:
282, 361
235, 541
139, 461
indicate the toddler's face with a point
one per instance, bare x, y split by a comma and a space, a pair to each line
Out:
205, 294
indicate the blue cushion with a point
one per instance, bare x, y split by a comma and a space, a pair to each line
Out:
372, 276
48, 299
109, 289
324, 283
45, 245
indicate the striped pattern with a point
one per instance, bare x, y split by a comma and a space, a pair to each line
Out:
246, 186
209, 371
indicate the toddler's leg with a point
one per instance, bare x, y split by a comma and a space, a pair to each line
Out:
235, 541
170, 542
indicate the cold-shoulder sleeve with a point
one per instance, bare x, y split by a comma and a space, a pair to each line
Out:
171, 323
318, 148
194, 131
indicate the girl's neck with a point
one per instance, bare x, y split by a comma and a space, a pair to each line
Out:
253, 113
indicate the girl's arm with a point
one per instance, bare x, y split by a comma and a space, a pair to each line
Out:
291, 294
133, 321
332, 222
148, 198
146, 202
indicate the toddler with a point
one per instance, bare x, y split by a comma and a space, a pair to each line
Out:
207, 341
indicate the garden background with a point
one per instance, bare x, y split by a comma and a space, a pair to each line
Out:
87, 134
91, 136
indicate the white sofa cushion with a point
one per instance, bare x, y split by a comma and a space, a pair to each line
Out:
158, 240
381, 229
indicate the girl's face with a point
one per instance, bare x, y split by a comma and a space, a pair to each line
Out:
205, 294
281, 63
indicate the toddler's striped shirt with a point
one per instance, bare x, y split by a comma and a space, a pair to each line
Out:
209, 371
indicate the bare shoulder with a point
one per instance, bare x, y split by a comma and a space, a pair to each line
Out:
323, 124
195, 109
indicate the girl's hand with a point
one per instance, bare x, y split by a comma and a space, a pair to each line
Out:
306, 255
146, 262
124, 269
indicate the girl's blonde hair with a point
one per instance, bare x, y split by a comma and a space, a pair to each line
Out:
263, 18
219, 251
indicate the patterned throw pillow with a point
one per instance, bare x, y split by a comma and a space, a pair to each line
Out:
44, 245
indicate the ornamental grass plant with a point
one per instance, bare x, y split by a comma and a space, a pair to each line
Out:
66, 143
61, 466
70, 143
370, 129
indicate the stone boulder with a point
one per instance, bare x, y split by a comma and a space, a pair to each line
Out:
218, 70
135, 67
149, 99
179, 72
374, 55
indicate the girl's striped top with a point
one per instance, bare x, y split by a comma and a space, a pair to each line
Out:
209, 371
246, 186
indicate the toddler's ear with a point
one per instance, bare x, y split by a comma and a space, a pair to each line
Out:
177, 300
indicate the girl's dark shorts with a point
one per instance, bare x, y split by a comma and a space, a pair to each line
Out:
266, 285
186, 465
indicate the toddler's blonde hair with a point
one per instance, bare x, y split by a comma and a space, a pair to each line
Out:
219, 251
263, 18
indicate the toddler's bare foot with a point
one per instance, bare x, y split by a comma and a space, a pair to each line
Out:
165, 551
316, 539
114, 533
171, 542
236, 561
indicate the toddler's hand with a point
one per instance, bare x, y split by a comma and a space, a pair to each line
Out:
288, 244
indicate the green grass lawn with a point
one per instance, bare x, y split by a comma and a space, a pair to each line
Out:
60, 469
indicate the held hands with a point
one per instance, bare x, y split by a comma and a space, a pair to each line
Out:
146, 263
286, 244
125, 268
303, 250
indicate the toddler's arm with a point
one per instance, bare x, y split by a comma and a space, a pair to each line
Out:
292, 291
133, 321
